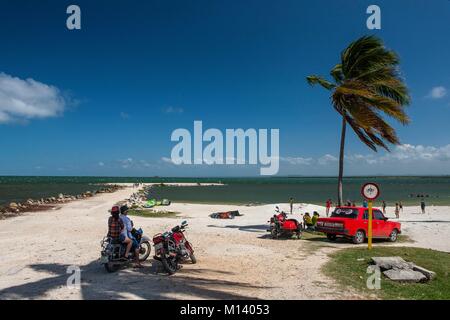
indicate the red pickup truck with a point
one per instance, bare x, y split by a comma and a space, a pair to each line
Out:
352, 222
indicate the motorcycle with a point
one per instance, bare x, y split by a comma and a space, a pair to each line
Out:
172, 247
113, 251
281, 226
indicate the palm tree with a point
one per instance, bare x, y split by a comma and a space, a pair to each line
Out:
366, 84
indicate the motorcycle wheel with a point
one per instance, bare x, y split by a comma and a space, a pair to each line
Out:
193, 259
111, 267
170, 264
274, 233
144, 251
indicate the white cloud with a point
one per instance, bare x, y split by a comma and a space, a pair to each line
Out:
146, 164
437, 92
23, 100
166, 160
124, 115
327, 159
171, 109
101, 164
132, 164
408, 153
404, 159
297, 160
360, 158
126, 163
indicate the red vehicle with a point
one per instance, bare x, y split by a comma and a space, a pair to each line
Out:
281, 226
172, 247
352, 222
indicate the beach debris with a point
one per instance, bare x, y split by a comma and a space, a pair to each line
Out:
387, 263
397, 269
225, 215
405, 275
428, 273
13, 205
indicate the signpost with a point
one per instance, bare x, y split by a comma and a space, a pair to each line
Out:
370, 191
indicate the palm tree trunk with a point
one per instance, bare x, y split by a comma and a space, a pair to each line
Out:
341, 161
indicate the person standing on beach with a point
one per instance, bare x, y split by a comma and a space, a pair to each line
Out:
400, 204
291, 204
328, 206
383, 205
397, 211
422, 206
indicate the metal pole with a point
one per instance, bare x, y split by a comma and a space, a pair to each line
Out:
369, 231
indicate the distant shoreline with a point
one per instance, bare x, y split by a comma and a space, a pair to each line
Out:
436, 190
138, 178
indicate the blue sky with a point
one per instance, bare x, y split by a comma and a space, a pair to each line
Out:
106, 98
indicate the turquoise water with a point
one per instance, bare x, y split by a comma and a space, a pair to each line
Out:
240, 190
436, 190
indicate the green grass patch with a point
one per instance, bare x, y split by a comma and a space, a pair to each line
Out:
150, 213
308, 235
349, 266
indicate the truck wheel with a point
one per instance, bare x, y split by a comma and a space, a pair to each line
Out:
331, 237
393, 236
359, 237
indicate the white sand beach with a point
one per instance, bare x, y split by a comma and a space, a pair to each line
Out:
236, 258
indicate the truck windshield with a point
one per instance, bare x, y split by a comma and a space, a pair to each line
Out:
345, 213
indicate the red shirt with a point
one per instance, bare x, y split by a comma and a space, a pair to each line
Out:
115, 226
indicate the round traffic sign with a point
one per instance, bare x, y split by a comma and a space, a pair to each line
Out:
370, 191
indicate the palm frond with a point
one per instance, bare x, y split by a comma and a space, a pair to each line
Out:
336, 73
367, 85
313, 80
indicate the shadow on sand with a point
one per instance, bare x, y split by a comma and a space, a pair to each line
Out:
249, 228
147, 283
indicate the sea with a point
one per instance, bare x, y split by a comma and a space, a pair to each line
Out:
434, 190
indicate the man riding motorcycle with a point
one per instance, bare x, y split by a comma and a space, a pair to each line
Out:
115, 224
119, 228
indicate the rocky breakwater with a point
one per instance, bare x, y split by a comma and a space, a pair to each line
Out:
30, 205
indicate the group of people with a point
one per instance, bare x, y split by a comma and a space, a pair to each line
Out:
397, 211
310, 222
398, 208
120, 228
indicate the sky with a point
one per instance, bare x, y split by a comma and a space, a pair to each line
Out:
105, 99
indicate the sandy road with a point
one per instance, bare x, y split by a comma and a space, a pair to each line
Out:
236, 259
